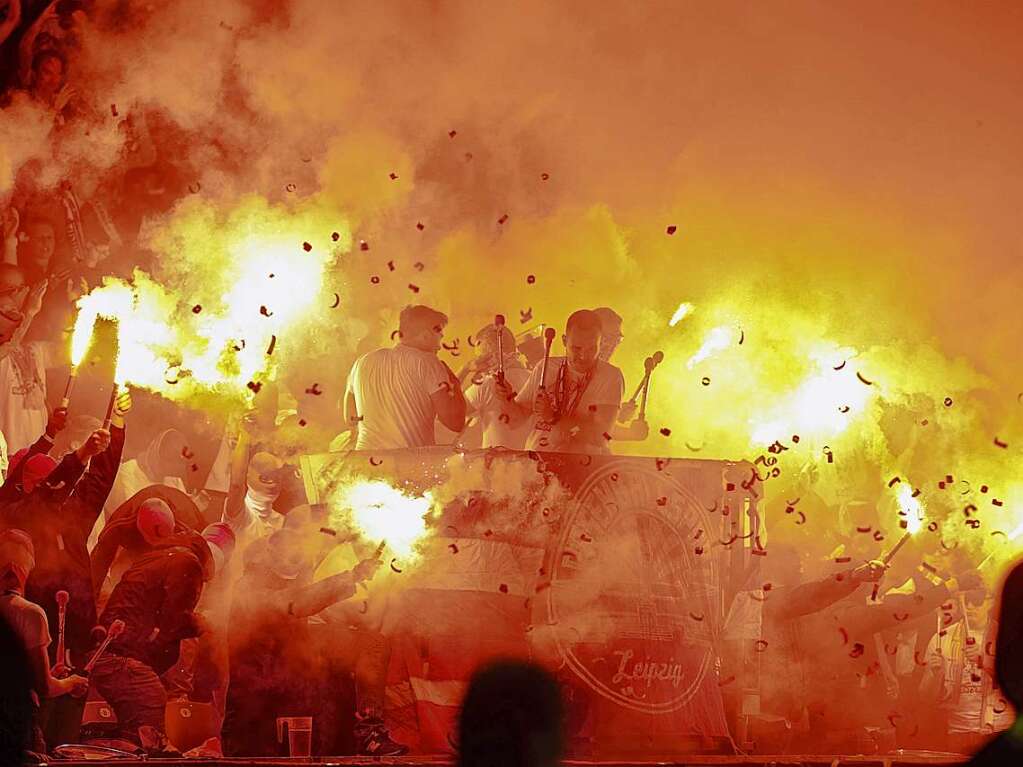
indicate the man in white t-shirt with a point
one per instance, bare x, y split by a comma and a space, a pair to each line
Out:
395, 394
481, 395
574, 408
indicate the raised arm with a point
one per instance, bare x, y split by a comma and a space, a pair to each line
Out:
449, 402
308, 600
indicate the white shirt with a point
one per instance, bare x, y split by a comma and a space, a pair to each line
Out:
23, 395
606, 387
483, 399
392, 389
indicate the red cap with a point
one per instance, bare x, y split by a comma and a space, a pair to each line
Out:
37, 468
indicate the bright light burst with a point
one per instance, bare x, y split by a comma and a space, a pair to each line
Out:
717, 339
913, 510
381, 512
683, 311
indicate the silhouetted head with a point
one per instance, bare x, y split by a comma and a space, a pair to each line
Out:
422, 327
1009, 642
511, 717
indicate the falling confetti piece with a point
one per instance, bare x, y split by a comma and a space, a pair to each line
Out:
113, 110
525, 316
545, 176
894, 481
866, 529
844, 409
453, 547
452, 133
314, 389
335, 236
302, 422
671, 229
413, 288
742, 337
999, 443
291, 187
864, 380
760, 645
337, 301
503, 219
983, 488
363, 245
503, 588
273, 343
196, 309
393, 176
857, 650
531, 279
265, 312
375, 280
696, 617
255, 386
948, 402
194, 188
307, 246
705, 381
328, 531
390, 265
420, 226
996, 502
662, 501
843, 560
666, 432
394, 567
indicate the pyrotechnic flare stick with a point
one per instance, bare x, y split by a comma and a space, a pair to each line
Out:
499, 324
887, 558
642, 383
110, 406
650, 364
69, 387
115, 630
548, 339
380, 549
62, 667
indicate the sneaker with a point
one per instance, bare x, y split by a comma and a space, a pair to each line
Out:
373, 739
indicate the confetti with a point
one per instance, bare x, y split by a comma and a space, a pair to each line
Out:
662, 501
194, 188
900, 616
375, 280
802, 519
693, 448
760, 645
452, 133
302, 422
705, 381
363, 245
420, 225
864, 380
393, 567
742, 337
948, 402
265, 312
307, 247
696, 617
866, 529
671, 229
544, 176
857, 650
375, 462
413, 288
844, 409
585, 538
996, 502
255, 386
335, 236
845, 635
878, 536
503, 219
419, 266
531, 279
337, 301
291, 187
698, 550
983, 488
453, 547
196, 309
314, 390
894, 481
393, 176
503, 588
999, 443
666, 432
839, 367
525, 316
113, 110
273, 343
390, 265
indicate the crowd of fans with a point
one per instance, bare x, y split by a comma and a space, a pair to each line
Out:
184, 552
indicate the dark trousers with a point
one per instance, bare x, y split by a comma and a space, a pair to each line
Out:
61, 719
135, 693
365, 655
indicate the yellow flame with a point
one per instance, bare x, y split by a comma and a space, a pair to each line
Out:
382, 512
683, 311
911, 508
717, 339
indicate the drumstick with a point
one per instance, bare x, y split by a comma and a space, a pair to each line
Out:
115, 630
62, 600
548, 339
499, 324
654, 361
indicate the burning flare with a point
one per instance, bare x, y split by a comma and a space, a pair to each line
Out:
913, 510
382, 512
683, 311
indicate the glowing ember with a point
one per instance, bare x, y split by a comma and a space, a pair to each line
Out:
683, 311
381, 512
